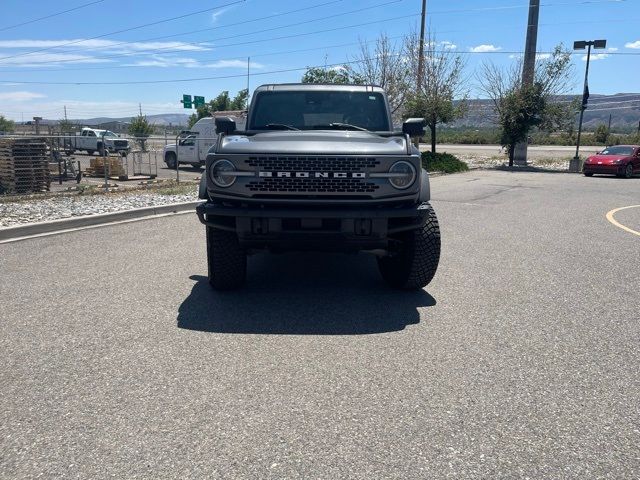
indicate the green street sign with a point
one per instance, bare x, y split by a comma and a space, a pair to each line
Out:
186, 101
198, 101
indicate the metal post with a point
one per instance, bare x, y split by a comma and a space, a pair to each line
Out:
248, 77
104, 165
177, 159
583, 107
421, 47
608, 130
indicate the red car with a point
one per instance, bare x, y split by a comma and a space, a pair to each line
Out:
621, 160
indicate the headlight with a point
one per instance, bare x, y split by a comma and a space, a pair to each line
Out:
219, 171
402, 175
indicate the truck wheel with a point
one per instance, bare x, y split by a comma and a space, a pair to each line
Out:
89, 152
170, 160
227, 260
415, 264
101, 150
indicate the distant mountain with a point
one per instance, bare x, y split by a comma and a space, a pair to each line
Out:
481, 114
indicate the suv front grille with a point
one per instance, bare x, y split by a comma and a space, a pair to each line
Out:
312, 164
311, 184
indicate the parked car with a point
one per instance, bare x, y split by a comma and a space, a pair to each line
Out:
621, 160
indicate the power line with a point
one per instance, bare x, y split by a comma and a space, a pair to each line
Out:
125, 30
50, 16
202, 43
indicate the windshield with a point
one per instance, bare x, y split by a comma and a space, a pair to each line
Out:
109, 134
319, 110
617, 151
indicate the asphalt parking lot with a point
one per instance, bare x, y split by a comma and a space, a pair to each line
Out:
520, 360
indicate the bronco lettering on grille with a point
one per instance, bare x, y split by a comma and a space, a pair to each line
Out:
264, 174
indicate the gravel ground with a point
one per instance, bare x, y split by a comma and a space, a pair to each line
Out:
491, 161
18, 213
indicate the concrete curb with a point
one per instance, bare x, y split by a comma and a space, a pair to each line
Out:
31, 229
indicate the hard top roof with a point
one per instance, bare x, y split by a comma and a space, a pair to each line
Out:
305, 87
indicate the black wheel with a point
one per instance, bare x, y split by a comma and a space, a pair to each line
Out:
628, 172
588, 174
101, 150
415, 263
68, 153
89, 152
226, 259
170, 160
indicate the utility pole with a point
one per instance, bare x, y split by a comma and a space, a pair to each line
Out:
421, 47
609, 129
140, 107
248, 74
65, 113
528, 67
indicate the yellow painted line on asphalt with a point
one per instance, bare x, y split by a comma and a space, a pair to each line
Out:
610, 217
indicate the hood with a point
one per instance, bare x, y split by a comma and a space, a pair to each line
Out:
606, 159
314, 142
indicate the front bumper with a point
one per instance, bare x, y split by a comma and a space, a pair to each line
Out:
336, 228
605, 169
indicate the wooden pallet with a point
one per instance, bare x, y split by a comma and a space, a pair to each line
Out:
24, 165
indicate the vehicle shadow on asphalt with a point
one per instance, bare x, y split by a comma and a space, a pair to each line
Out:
304, 294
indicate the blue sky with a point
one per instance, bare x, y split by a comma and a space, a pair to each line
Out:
217, 41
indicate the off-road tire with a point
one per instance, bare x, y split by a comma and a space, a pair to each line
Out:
416, 262
588, 174
226, 259
170, 160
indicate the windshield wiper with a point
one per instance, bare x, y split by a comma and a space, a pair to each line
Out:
280, 126
340, 126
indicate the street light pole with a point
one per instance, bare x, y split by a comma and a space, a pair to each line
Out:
575, 165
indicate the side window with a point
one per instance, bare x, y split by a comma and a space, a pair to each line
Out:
84, 133
92, 133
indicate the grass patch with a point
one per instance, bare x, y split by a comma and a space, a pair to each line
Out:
443, 162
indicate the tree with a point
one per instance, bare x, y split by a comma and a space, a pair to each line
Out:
601, 134
385, 65
440, 95
67, 126
519, 109
6, 125
221, 103
140, 129
337, 74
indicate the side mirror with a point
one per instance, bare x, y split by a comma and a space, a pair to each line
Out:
225, 125
414, 127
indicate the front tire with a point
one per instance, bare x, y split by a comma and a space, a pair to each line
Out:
588, 174
170, 160
628, 172
416, 263
226, 259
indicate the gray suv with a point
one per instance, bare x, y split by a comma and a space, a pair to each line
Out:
319, 168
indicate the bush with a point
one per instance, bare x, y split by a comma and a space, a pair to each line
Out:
443, 162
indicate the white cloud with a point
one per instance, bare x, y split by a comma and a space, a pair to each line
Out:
485, 48
634, 45
613, 49
19, 96
596, 56
48, 59
164, 62
447, 45
218, 13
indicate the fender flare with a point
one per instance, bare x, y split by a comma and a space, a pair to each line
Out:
425, 187
202, 187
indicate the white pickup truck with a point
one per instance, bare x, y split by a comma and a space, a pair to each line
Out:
92, 140
194, 144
